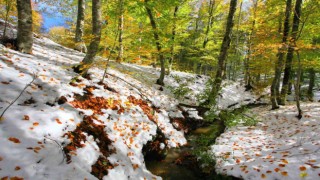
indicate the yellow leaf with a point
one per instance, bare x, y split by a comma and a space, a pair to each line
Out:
284, 173
284, 161
303, 174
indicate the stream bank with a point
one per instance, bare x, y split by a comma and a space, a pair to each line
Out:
182, 163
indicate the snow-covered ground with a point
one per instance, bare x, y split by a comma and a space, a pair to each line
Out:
36, 128
278, 147
32, 129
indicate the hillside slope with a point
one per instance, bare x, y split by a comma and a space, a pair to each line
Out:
62, 127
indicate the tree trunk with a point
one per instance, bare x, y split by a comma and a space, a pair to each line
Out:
248, 78
172, 39
210, 21
312, 75
280, 23
8, 9
140, 42
279, 65
292, 45
237, 49
25, 34
297, 87
158, 45
290, 86
223, 53
94, 45
79, 44
121, 22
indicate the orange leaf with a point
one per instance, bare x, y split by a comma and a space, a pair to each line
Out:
284, 161
263, 176
17, 168
37, 148
58, 121
269, 172
284, 173
282, 165
36, 124
302, 168
135, 166
268, 157
26, 117
13, 139
16, 178
238, 161
276, 169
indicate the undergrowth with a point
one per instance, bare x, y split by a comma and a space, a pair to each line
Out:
182, 90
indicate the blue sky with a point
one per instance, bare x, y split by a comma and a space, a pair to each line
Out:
50, 21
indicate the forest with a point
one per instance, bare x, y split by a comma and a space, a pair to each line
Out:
154, 89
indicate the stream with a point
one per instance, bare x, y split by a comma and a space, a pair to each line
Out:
169, 169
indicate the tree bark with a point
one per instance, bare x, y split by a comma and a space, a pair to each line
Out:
173, 39
157, 41
237, 49
223, 53
210, 21
8, 9
292, 45
94, 45
312, 75
281, 52
298, 85
120, 26
248, 78
79, 44
25, 33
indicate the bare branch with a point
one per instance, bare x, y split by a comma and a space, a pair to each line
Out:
61, 148
33, 78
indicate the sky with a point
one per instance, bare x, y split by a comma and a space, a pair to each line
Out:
50, 21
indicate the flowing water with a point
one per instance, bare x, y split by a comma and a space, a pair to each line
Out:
168, 170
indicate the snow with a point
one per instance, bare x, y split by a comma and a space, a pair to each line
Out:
32, 129
278, 147
39, 123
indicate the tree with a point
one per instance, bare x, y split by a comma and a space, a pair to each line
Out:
25, 33
209, 24
120, 29
157, 42
174, 27
9, 6
223, 53
312, 76
279, 65
79, 44
248, 78
94, 45
291, 49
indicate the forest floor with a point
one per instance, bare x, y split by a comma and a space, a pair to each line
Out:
279, 147
62, 127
